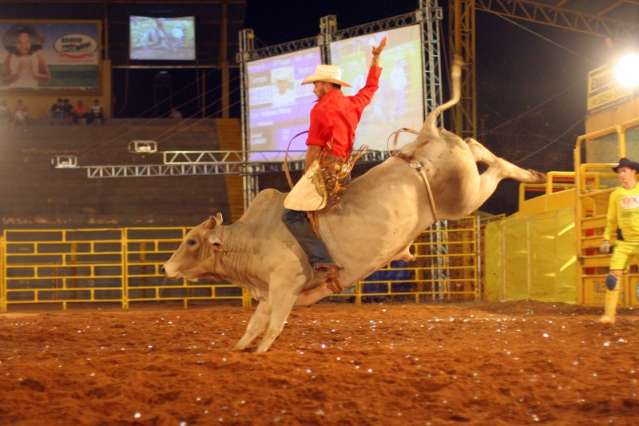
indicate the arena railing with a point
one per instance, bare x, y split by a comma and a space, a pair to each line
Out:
121, 267
595, 181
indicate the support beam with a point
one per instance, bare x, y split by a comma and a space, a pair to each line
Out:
463, 41
203, 163
224, 61
557, 17
610, 8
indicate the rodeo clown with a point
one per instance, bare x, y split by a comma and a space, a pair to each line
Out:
334, 119
623, 217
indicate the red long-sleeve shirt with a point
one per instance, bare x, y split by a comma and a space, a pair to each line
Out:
335, 117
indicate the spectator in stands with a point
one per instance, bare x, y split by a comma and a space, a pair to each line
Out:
80, 112
96, 113
5, 114
175, 113
21, 114
67, 111
24, 66
57, 111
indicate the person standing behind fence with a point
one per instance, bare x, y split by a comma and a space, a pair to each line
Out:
96, 113
67, 111
80, 112
622, 218
57, 111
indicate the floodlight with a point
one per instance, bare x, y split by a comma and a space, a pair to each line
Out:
65, 161
143, 147
627, 71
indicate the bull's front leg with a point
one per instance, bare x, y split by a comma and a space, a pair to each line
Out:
281, 299
256, 325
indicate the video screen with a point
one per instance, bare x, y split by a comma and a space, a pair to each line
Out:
399, 100
279, 106
162, 39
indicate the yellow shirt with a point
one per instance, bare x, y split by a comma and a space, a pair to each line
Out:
623, 213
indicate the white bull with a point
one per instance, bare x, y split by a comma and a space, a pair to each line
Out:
381, 213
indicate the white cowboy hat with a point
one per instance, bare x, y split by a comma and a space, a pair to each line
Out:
327, 73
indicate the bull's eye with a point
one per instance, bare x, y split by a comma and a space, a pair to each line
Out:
191, 242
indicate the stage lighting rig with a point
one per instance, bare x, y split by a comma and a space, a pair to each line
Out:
627, 71
143, 147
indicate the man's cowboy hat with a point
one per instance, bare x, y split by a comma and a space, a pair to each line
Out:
327, 73
626, 162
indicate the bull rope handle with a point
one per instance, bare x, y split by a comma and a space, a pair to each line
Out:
287, 172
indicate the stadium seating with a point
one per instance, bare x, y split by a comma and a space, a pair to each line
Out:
35, 193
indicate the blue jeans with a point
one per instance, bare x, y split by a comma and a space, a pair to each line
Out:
301, 229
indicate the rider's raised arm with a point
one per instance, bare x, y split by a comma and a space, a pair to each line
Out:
365, 94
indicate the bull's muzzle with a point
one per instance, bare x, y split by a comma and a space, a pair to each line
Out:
170, 270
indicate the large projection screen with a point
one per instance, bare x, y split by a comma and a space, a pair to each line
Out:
399, 100
279, 106
162, 39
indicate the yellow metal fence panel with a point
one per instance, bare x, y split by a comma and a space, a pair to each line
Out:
122, 266
3, 296
446, 267
595, 181
532, 258
112, 266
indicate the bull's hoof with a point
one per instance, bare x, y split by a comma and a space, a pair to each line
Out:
334, 285
409, 258
538, 176
239, 348
605, 319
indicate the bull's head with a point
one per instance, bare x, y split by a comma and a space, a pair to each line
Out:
192, 259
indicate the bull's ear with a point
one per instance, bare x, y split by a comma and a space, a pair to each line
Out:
218, 218
210, 223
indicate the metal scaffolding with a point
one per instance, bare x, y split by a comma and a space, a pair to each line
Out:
205, 163
559, 17
428, 16
250, 164
462, 36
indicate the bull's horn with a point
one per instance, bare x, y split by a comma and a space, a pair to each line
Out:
219, 219
210, 223
430, 129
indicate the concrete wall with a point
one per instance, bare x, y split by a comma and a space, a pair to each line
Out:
33, 193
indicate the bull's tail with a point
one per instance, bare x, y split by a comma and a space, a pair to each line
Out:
430, 129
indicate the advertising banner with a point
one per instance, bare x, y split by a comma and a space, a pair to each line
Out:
603, 90
45, 55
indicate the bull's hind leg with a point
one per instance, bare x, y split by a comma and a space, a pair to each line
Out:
256, 325
498, 169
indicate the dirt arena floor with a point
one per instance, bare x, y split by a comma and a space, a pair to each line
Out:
385, 364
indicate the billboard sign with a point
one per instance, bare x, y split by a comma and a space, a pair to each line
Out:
44, 55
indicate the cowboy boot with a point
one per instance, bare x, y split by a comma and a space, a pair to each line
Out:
610, 307
330, 271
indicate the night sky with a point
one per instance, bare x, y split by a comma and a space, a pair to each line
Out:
531, 92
